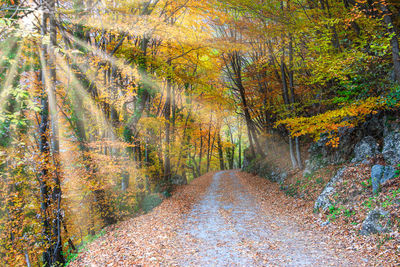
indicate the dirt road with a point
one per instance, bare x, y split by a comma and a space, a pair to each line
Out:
220, 220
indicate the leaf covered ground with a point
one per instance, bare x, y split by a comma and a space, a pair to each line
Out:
227, 218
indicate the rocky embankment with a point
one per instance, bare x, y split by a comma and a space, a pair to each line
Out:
355, 185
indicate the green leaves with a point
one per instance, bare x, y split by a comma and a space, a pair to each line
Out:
392, 100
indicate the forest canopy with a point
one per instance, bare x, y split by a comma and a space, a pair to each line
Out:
107, 104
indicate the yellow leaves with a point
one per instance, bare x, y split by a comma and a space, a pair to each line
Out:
331, 121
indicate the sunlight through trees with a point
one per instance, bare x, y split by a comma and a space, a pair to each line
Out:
106, 102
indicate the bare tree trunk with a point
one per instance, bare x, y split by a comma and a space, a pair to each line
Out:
201, 150
28, 262
234, 66
298, 152
220, 152
231, 157
394, 41
211, 152
240, 152
286, 101
167, 114
182, 153
51, 194
293, 98
209, 144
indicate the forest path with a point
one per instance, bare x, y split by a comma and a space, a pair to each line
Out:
229, 227
224, 219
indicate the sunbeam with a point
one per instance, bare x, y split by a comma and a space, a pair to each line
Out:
116, 118
6, 87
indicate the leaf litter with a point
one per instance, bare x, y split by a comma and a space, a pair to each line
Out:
226, 218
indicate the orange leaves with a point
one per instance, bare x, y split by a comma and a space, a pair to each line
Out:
331, 121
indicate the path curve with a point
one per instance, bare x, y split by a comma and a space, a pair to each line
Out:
228, 228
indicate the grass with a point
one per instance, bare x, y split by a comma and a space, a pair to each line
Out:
72, 255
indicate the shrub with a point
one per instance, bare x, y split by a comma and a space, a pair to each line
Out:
150, 202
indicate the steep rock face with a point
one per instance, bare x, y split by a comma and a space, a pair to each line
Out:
319, 157
381, 174
323, 202
322, 154
377, 221
359, 142
391, 148
366, 148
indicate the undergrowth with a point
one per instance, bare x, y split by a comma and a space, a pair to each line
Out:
72, 255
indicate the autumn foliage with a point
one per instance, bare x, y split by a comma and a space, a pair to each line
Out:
104, 103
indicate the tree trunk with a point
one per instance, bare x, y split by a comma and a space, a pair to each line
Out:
394, 41
298, 152
201, 150
293, 98
220, 152
167, 114
211, 152
209, 144
285, 95
240, 152
50, 190
236, 76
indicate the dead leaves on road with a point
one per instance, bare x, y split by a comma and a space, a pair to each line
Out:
152, 239
145, 240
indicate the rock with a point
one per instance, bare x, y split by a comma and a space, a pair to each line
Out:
314, 164
374, 125
377, 221
323, 199
391, 148
390, 126
325, 223
376, 175
364, 149
390, 173
348, 137
284, 175
278, 176
307, 169
322, 154
178, 180
263, 169
381, 174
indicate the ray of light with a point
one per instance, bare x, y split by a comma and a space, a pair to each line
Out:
119, 63
5, 53
96, 113
49, 90
7, 85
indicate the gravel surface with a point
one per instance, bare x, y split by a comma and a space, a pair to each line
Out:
227, 218
228, 227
